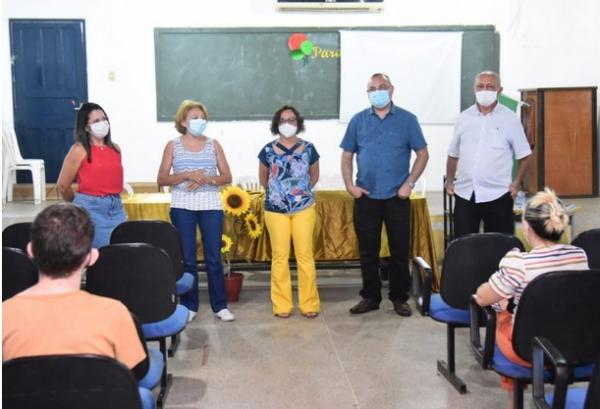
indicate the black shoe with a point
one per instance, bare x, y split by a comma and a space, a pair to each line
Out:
402, 308
365, 305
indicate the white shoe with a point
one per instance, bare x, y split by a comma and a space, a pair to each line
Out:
225, 315
192, 316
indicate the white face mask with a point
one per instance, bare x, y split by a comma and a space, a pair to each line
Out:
486, 98
287, 130
100, 129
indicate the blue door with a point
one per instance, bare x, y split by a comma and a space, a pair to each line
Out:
49, 82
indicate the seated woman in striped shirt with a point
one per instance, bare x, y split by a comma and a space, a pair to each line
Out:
544, 221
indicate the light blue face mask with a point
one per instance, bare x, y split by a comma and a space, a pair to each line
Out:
196, 126
380, 98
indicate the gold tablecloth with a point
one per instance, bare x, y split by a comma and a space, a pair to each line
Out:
334, 236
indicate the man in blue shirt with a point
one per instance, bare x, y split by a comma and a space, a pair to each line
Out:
382, 137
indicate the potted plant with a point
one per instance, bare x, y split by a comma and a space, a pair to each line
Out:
240, 221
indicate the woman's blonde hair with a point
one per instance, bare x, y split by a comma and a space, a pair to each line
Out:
185, 107
547, 215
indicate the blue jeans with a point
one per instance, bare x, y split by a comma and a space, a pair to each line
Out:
211, 229
106, 213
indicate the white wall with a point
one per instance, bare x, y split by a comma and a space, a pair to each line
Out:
544, 43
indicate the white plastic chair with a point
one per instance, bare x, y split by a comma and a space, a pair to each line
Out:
249, 183
13, 161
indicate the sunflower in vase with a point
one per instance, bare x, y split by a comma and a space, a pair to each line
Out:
241, 221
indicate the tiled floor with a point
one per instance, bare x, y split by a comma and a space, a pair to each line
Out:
377, 360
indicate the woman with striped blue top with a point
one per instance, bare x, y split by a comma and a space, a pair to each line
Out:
195, 166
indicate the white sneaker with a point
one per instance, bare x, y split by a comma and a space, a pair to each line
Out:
192, 316
225, 315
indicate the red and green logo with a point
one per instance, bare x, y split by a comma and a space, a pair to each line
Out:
300, 46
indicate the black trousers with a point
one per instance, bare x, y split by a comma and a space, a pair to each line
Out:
369, 216
497, 215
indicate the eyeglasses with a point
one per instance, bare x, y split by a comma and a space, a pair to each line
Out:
287, 121
379, 88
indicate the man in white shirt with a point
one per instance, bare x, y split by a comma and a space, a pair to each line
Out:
487, 137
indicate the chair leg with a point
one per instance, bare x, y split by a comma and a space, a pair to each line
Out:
518, 394
448, 370
174, 345
166, 378
43, 184
37, 186
11, 184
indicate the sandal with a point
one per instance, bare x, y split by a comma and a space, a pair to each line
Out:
283, 315
311, 314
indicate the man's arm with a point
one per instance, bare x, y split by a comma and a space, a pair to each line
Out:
522, 167
451, 164
355, 191
416, 171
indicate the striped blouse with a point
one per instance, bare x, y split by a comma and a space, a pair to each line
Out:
205, 197
517, 269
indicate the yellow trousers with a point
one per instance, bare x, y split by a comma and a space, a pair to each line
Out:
299, 228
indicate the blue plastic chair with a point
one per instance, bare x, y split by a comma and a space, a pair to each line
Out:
561, 306
469, 261
140, 275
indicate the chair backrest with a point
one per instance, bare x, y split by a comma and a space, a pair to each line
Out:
68, 382
139, 275
18, 272
589, 241
563, 307
156, 232
17, 235
10, 143
470, 261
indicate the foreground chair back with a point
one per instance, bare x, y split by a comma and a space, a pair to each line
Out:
469, 261
141, 276
562, 307
162, 235
68, 382
589, 241
18, 272
17, 235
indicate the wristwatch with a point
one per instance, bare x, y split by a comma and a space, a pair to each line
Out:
412, 185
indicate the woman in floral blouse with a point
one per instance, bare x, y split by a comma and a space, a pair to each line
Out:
288, 169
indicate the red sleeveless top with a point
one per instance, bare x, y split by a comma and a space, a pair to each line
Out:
103, 175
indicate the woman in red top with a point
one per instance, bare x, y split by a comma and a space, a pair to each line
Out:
94, 162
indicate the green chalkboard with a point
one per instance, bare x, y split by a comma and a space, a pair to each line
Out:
247, 73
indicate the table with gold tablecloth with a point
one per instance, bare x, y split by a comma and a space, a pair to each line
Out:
334, 236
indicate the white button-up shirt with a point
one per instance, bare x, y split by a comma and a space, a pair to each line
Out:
485, 146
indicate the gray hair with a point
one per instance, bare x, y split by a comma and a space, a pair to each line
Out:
385, 77
493, 74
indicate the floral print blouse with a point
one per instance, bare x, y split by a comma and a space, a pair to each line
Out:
288, 189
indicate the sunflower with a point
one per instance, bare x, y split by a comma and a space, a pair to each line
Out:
226, 243
253, 226
236, 201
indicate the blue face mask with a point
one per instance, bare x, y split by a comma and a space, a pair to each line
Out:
196, 126
380, 98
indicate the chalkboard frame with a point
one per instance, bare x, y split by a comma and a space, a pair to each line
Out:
480, 51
